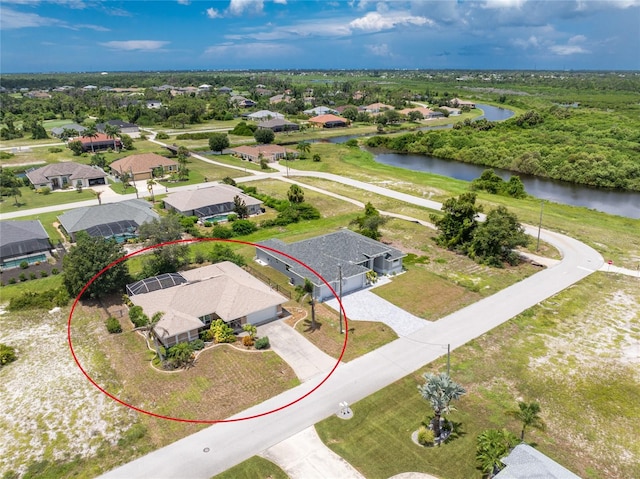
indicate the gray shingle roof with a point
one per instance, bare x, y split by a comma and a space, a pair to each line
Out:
324, 253
203, 197
22, 237
525, 462
80, 219
75, 170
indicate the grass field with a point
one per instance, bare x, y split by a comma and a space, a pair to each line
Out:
254, 468
30, 199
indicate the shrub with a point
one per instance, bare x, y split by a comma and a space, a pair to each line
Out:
55, 271
222, 332
262, 343
7, 354
137, 316
162, 136
206, 335
425, 436
113, 325
45, 190
23, 277
199, 257
207, 224
55, 149
43, 274
24, 264
197, 344
32, 275
41, 299
247, 341
12, 281
221, 232
231, 217
243, 227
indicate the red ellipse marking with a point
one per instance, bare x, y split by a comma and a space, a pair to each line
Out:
203, 421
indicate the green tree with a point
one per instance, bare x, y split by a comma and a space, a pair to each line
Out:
439, 390
38, 132
304, 147
515, 187
493, 242
91, 132
150, 183
181, 355
183, 155
415, 115
88, 257
240, 207
218, 141
222, 252
250, 329
99, 160
529, 415
295, 194
350, 113
168, 258
264, 135
370, 222
75, 147
112, 131
9, 184
458, 223
127, 142
491, 446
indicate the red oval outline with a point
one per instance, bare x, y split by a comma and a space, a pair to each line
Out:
203, 421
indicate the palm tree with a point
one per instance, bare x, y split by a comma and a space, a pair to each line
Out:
529, 415
491, 446
112, 131
304, 147
150, 183
181, 354
148, 330
91, 132
440, 390
295, 194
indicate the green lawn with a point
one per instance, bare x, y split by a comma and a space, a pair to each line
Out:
30, 199
254, 468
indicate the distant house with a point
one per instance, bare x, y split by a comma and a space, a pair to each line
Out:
427, 113
278, 124
452, 111
212, 203
191, 300
141, 165
23, 241
263, 91
242, 102
127, 128
98, 143
377, 108
343, 251
525, 462
319, 110
328, 121
280, 98
458, 103
154, 104
268, 152
59, 131
225, 89
263, 115
66, 175
113, 220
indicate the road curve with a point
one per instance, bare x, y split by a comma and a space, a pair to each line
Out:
224, 445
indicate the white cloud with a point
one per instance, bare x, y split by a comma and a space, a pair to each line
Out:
12, 19
375, 22
281, 2
577, 39
213, 13
531, 42
184, 2
137, 45
238, 7
504, 3
568, 49
381, 50
97, 28
251, 50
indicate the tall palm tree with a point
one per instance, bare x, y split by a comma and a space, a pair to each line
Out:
440, 390
148, 330
491, 446
112, 131
529, 415
304, 147
150, 183
91, 132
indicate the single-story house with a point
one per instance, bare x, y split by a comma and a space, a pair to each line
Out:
242, 102
328, 121
59, 131
268, 152
225, 89
341, 253
427, 113
66, 175
280, 98
263, 115
452, 111
211, 202
377, 108
23, 241
263, 91
278, 124
458, 103
113, 220
319, 110
127, 128
525, 462
141, 165
154, 104
98, 143
191, 300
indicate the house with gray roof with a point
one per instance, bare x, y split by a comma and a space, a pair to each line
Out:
23, 241
59, 131
113, 220
66, 174
319, 110
342, 253
263, 115
125, 127
197, 297
525, 462
211, 202
278, 124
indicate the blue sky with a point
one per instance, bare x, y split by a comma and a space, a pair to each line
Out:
93, 35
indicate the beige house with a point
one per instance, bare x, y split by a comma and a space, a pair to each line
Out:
191, 300
207, 203
268, 152
142, 165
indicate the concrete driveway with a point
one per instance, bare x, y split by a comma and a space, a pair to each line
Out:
367, 306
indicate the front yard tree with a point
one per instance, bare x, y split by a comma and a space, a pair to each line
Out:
304, 147
218, 141
112, 132
458, 222
369, 224
494, 240
168, 258
240, 207
439, 390
491, 446
264, 135
529, 415
87, 258
295, 194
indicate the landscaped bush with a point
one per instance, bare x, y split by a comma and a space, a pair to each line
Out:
55, 271
41, 299
162, 136
425, 436
32, 275
24, 264
137, 316
247, 341
199, 257
45, 190
23, 277
206, 335
12, 281
43, 274
222, 332
113, 325
243, 227
221, 232
7, 355
262, 343
55, 149
197, 344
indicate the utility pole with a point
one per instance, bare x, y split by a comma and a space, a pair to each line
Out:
540, 225
340, 296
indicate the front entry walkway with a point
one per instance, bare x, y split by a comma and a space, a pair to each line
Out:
304, 357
